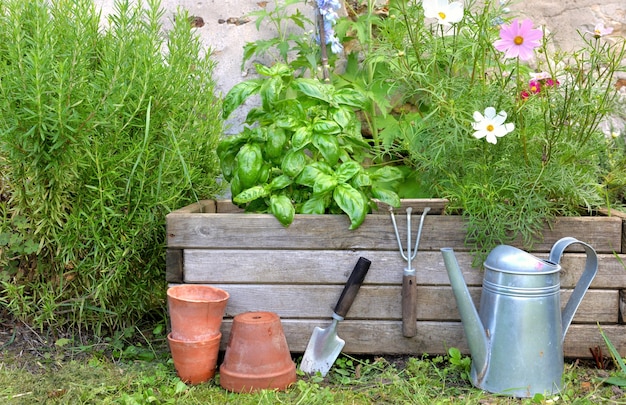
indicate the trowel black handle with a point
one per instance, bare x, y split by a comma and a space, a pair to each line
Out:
352, 286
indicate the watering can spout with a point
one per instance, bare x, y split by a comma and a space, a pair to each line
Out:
477, 338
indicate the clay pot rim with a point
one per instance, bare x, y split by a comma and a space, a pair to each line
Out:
194, 342
171, 292
265, 376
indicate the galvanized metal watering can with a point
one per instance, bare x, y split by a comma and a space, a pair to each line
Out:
516, 340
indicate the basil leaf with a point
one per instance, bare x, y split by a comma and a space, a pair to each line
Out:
235, 186
324, 184
343, 116
262, 70
328, 146
314, 205
231, 143
386, 196
326, 127
276, 141
280, 69
308, 175
249, 164
228, 164
270, 92
293, 163
283, 210
349, 97
361, 180
347, 170
280, 182
352, 202
314, 88
301, 138
238, 94
251, 194
387, 174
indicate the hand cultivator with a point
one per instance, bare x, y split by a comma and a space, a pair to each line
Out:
409, 284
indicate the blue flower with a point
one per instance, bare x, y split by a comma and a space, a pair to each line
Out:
328, 11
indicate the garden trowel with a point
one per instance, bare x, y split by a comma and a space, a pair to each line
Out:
324, 346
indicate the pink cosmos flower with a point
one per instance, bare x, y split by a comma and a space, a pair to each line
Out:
600, 30
539, 75
519, 39
552, 82
534, 86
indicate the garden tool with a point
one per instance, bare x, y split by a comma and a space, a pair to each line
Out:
324, 345
409, 282
516, 341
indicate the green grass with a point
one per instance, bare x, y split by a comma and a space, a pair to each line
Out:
111, 372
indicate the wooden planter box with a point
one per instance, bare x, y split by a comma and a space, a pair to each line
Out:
298, 272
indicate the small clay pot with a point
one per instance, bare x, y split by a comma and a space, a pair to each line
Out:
196, 311
257, 356
195, 362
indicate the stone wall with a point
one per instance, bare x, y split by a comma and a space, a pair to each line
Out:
566, 17
224, 26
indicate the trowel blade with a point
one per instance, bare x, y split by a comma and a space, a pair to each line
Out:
322, 351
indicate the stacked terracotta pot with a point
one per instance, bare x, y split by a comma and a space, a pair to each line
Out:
196, 313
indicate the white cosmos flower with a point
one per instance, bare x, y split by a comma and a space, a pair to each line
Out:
445, 13
491, 125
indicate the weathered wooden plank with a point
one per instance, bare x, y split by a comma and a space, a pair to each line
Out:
316, 266
174, 267
618, 214
385, 337
202, 206
334, 266
436, 205
610, 274
263, 231
384, 302
622, 306
603, 233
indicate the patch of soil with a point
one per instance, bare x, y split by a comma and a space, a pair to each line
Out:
23, 347
35, 350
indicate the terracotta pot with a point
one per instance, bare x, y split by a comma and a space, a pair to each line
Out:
196, 311
257, 356
195, 362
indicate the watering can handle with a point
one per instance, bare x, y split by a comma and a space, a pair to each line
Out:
591, 268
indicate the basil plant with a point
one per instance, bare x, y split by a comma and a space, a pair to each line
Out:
301, 150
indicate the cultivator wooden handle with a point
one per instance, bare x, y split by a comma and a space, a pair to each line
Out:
409, 305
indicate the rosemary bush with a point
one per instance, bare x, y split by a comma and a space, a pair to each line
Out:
102, 132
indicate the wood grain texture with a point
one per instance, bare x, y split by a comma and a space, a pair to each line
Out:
263, 231
384, 302
174, 268
385, 337
299, 272
333, 267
